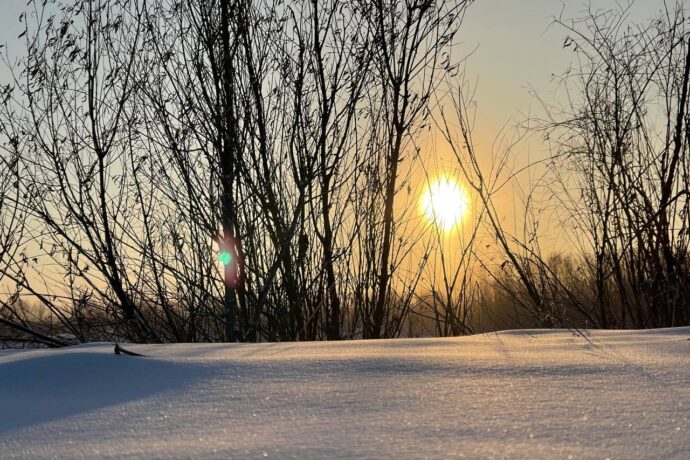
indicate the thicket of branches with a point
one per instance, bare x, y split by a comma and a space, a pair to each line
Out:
152, 136
623, 164
213, 170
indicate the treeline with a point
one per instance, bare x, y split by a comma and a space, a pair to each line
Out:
213, 170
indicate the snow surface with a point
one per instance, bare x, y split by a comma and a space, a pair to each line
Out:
545, 394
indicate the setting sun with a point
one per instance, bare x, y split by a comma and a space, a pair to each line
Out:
444, 202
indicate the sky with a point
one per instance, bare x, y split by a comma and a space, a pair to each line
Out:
513, 50
516, 50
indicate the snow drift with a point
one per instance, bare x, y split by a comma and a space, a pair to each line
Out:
548, 394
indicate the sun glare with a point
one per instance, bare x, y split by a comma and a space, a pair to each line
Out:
444, 202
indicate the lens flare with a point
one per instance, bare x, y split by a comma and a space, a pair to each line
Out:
225, 257
444, 202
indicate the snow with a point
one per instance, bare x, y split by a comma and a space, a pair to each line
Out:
545, 394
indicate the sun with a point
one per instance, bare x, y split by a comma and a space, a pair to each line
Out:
444, 202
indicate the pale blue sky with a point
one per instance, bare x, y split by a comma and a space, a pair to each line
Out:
518, 48
9, 20
515, 49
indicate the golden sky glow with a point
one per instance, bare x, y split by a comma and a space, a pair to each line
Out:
444, 202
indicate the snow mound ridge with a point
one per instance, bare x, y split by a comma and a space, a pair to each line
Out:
513, 394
